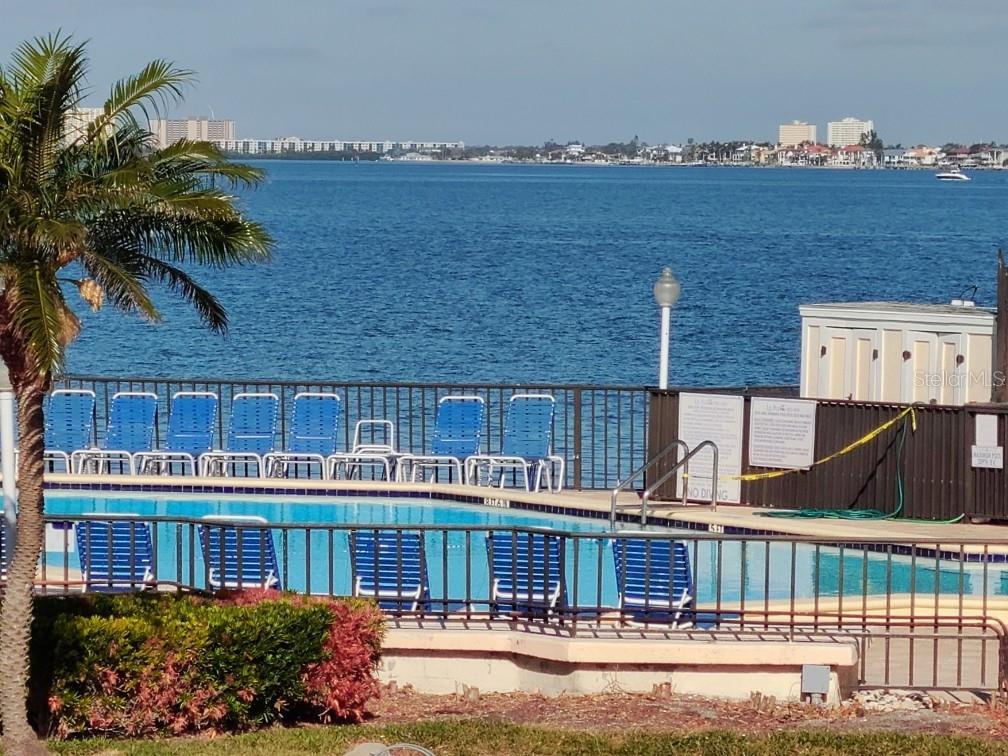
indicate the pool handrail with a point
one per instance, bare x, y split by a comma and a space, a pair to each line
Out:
675, 468
623, 484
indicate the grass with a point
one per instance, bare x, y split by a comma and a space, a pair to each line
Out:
482, 738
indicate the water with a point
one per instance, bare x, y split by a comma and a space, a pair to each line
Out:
751, 570
543, 273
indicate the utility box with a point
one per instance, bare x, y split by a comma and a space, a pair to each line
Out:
897, 352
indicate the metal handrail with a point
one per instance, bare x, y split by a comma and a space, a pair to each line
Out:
621, 486
684, 463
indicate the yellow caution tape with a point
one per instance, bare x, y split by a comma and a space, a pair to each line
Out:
849, 448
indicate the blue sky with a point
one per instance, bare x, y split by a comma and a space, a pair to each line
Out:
521, 71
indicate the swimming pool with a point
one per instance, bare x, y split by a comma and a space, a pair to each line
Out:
313, 550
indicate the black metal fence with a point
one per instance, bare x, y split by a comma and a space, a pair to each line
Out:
922, 614
600, 431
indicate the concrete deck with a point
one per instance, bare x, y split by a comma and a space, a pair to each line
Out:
994, 537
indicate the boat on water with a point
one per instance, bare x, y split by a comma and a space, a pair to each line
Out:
953, 174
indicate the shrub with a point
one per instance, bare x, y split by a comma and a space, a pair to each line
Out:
154, 664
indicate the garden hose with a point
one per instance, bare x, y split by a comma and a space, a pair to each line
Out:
865, 514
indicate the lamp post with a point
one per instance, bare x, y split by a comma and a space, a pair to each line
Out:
7, 463
666, 294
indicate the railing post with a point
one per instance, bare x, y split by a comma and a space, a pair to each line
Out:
576, 458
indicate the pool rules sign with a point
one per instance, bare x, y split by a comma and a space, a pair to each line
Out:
717, 418
781, 433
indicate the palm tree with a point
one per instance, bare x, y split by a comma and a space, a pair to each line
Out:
102, 209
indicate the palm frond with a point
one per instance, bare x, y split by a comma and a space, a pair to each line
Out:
153, 90
51, 74
41, 319
121, 276
207, 306
202, 162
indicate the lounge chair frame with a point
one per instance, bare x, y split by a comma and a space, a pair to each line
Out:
219, 461
102, 456
160, 461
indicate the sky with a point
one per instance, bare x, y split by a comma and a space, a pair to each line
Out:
524, 71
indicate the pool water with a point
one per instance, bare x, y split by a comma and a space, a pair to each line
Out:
728, 572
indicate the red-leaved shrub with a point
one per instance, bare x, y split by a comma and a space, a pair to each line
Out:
140, 665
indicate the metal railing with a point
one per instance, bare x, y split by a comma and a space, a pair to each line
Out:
923, 614
684, 465
676, 445
599, 431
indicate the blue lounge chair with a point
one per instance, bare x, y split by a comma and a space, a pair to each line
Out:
390, 566
250, 435
130, 431
654, 580
115, 555
526, 573
311, 438
69, 424
192, 419
373, 446
525, 448
457, 432
238, 553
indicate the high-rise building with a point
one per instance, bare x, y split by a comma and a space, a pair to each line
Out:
794, 133
847, 131
169, 131
77, 121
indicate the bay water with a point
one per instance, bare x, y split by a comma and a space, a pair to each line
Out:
512, 273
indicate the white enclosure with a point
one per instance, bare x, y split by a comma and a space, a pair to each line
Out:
897, 352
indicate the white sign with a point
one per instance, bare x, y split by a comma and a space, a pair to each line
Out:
986, 452
987, 456
717, 418
986, 430
781, 432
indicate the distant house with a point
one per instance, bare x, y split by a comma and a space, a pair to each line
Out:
574, 151
801, 155
853, 156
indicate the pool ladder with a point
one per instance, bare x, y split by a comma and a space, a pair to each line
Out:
680, 464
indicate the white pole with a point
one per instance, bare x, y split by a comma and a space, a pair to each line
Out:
7, 465
663, 357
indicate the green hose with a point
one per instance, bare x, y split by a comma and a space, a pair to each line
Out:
864, 514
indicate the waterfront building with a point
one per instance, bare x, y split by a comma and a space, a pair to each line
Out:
847, 131
575, 151
77, 121
801, 155
853, 156
795, 133
299, 145
168, 131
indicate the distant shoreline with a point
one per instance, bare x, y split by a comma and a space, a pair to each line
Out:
498, 163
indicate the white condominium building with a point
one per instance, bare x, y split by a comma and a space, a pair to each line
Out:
296, 144
77, 121
795, 133
169, 131
847, 131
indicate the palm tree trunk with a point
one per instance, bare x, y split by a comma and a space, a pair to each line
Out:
16, 612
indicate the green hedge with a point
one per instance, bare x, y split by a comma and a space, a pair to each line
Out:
156, 664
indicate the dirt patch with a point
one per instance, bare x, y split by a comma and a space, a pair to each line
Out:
663, 711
